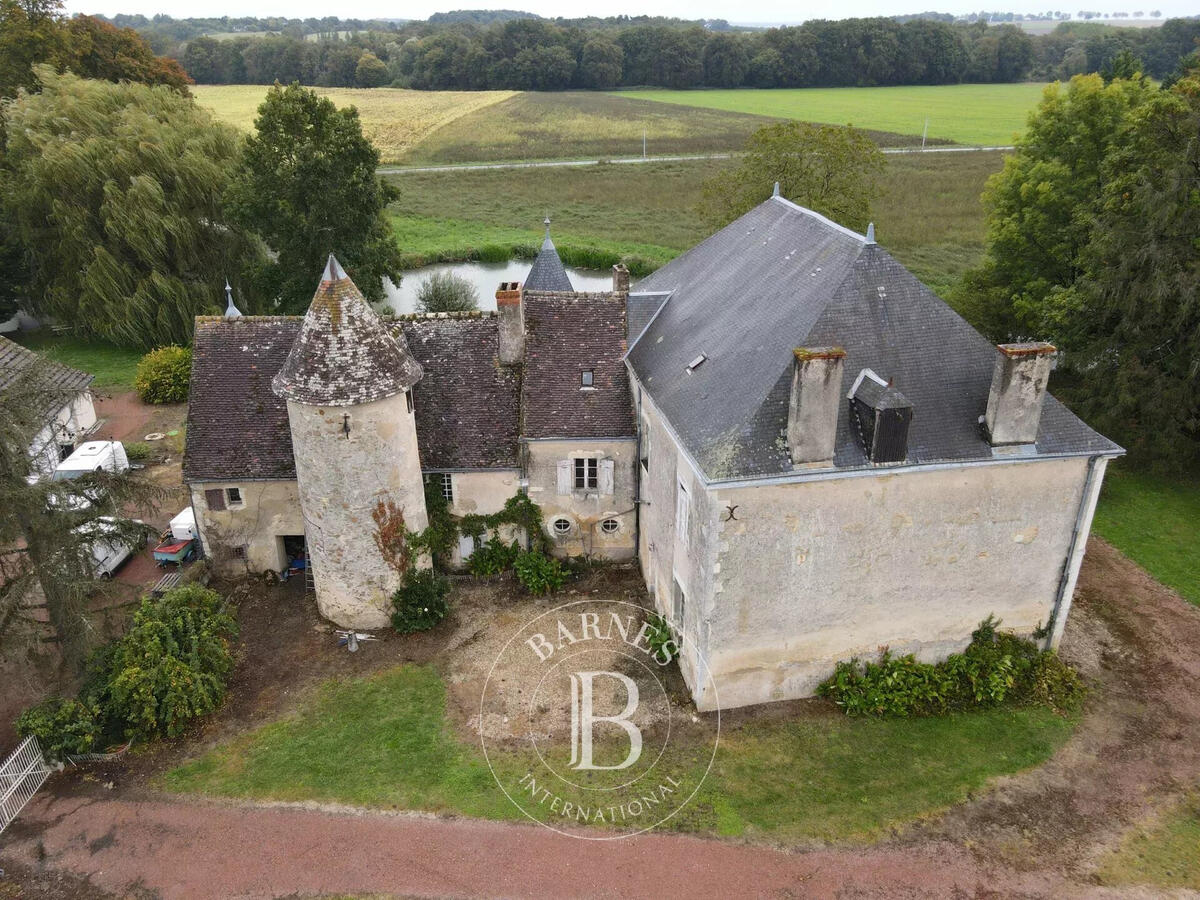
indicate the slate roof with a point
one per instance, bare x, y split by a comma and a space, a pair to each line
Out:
640, 310
237, 427
781, 277
566, 334
547, 272
344, 354
61, 382
467, 405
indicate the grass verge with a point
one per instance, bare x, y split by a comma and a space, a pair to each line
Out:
385, 742
113, 367
1164, 854
981, 114
1154, 520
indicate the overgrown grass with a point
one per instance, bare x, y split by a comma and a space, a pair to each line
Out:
385, 742
394, 120
929, 215
1163, 854
1154, 521
113, 367
981, 114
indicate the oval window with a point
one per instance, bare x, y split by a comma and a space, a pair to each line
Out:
561, 526
610, 526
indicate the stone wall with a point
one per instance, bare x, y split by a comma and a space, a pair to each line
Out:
585, 509
248, 539
342, 479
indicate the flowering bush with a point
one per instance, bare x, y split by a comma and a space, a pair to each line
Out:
163, 375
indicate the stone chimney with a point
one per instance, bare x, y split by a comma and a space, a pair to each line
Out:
1014, 408
816, 399
512, 325
620, 279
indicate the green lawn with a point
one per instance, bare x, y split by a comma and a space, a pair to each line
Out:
1164, 854
384, 742
1154, 521
114, 367
980, 114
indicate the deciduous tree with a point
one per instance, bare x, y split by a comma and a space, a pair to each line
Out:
307, 184
114, 193
831, 169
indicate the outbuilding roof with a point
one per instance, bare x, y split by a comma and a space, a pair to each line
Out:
61, 382
566, 335
344, 354
782, 277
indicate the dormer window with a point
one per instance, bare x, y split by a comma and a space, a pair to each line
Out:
587, 378
696, 363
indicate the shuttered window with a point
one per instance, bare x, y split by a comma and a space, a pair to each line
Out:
215, 499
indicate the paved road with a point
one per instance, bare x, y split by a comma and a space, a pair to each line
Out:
199, 850
633, 160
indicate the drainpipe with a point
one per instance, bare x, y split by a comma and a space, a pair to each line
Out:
637, 482
1054, 627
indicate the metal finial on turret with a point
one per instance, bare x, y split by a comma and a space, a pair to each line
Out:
231, 311
871, 233
546, 222
775, 193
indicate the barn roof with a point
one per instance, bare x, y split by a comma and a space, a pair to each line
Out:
781, 277
61, 382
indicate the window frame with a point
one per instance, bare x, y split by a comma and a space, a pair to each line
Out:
587, 379
616, 525
234, 499
447, 486
563, 532
586, 474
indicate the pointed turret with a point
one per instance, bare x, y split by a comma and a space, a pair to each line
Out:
344, 354
548, 273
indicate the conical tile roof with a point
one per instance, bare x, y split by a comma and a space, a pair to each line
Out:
344, 354
547, 273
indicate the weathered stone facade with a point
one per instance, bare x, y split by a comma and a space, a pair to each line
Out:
247, 538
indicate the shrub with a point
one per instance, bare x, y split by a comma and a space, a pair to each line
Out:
995, 668
661, 640
163, 375
173, 664
447, 292
539, 573
138, 451
493, 558
421, 602
63, 727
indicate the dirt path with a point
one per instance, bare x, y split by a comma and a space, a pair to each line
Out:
1036, 834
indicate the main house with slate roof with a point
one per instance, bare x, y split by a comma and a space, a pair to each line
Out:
810, 455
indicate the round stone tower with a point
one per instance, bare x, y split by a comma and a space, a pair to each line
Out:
347, 383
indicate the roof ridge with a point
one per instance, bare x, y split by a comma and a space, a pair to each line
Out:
243, 319
453, 314
823, 219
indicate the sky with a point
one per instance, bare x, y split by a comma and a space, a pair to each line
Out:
741, 11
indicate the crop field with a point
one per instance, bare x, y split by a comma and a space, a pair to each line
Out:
394, 120
977, 114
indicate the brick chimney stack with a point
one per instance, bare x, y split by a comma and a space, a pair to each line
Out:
815, 401
1014, 408
512, 325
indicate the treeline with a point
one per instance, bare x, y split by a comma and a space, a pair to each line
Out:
536, 54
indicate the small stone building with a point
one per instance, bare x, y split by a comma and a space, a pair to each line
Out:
809, 454
73, 416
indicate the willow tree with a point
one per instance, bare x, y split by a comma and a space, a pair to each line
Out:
114, 192
47, 527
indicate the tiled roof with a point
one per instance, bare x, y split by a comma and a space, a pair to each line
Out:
565, 335
547, 272
237, 428
60, 382
782, 277
467, 405
344, 354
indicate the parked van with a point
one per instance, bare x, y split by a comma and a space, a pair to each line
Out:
108, 552
93, 456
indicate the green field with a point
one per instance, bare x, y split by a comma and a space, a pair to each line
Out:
113, 367
929, 215
386, 742
978, 114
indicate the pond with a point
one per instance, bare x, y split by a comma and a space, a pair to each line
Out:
486, 277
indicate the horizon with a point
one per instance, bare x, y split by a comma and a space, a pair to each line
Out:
756, 13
